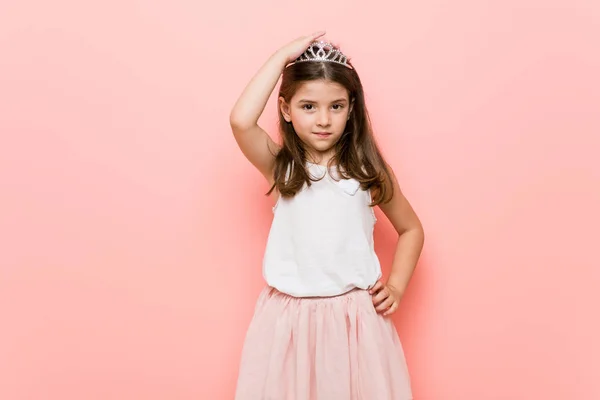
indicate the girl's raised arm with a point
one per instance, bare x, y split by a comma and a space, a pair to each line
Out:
255, 143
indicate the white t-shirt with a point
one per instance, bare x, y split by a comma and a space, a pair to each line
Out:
321, 240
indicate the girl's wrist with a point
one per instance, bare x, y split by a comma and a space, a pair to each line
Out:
396, 284
280, 58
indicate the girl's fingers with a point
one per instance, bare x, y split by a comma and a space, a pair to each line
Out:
392, 309
381, 296
311, 38
387, 303
383, 299
378, 285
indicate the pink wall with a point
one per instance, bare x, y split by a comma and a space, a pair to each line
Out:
132, 228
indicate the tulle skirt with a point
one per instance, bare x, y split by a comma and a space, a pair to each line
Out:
325, 348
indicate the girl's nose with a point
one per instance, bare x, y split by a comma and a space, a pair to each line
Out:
324, 118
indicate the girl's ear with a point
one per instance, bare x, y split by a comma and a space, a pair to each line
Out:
284, 107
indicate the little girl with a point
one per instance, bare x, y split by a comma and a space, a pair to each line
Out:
321, 330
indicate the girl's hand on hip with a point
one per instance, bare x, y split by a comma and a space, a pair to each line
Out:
386, 298
292, 50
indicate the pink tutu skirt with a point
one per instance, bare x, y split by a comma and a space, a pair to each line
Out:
324, 348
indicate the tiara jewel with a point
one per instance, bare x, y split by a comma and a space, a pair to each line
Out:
323, 52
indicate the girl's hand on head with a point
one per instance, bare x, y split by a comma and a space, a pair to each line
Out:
292, 50
386, 298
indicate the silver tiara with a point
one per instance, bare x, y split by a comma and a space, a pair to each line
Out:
323, 52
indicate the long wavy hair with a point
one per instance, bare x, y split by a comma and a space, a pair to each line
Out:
356, 153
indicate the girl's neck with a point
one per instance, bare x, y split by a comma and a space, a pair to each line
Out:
319, 160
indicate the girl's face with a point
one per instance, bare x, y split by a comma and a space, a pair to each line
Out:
318, 112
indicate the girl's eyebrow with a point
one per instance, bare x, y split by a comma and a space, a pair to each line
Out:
311, 101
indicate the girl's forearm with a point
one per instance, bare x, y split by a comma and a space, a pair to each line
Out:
408, 251
251, 103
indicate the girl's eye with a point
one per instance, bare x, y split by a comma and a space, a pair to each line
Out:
310, 107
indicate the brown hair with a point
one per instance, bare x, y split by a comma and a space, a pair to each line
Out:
356, 152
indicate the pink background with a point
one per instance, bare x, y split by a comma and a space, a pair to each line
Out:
132, 228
